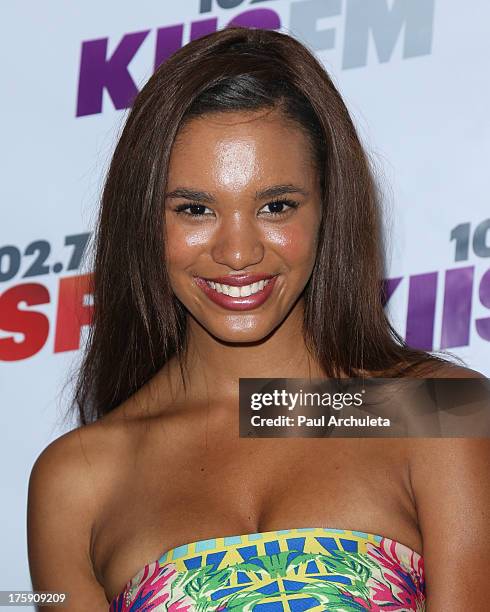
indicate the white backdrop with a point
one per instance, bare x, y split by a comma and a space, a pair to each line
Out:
414, 74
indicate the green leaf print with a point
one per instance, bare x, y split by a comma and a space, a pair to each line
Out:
200, 584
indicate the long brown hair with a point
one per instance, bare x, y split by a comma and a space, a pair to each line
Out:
138, 323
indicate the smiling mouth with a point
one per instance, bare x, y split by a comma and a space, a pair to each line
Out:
233, 297
243, 291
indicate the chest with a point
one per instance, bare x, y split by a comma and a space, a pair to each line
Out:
168, 494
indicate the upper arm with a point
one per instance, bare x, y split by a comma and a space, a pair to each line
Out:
451, 484
60, 515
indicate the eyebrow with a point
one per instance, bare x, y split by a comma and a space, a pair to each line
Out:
203, 196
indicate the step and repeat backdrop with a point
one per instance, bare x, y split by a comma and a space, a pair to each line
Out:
414, 74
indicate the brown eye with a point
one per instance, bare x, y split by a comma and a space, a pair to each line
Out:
281, 207
196, 210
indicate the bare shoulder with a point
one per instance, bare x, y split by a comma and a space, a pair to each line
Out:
452, 370
450, 484
63, 459
65, 494
71, 460
450, 481
61, 472
75, 463
444, 369
422, 449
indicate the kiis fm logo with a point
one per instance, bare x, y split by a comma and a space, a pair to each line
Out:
382, 21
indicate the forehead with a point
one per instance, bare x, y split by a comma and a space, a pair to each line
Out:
240, 149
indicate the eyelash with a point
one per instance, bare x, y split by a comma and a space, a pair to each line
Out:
181, 208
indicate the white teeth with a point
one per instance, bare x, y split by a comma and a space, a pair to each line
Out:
233, 291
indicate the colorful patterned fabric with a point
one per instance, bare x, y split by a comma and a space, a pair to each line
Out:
276, 571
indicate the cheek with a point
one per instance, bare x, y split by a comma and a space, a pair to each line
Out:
182, 245
295, 243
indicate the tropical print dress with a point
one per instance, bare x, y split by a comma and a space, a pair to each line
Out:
275, 571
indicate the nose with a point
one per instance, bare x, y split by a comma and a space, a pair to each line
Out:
238, 242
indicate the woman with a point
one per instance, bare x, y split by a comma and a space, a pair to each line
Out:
239, 237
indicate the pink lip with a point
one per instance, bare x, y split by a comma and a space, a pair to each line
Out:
237, 303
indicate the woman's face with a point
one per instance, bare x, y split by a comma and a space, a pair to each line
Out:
242, 202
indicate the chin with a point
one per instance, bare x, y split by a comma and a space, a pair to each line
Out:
241, 334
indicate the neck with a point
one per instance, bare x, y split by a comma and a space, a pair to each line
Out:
214, 367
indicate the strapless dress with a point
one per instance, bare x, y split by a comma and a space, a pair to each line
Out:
311, 568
